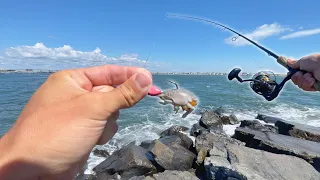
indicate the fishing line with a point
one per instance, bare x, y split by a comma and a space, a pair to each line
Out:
145, 64
261, 83
224, 28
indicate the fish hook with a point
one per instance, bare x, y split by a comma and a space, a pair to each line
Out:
174, 84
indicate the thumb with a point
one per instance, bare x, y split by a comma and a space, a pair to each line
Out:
293, 64
127, 94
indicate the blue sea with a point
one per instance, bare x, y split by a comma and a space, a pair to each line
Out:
148, 118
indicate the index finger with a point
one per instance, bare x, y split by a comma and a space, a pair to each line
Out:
104, 75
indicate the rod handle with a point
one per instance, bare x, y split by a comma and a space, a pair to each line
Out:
283, 61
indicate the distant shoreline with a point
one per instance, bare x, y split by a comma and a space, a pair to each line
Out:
33, 71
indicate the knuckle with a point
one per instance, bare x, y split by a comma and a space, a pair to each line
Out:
128, 95
58, 75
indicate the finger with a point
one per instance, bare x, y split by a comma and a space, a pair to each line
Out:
293, 64
103, 75
299, 79
110, 129
295, 77
307, 82
127, 94
103, 88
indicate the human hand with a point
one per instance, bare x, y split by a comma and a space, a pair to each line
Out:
308, 63
71, 112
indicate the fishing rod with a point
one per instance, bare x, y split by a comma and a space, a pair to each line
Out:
263, 83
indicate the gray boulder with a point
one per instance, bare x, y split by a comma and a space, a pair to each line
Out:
207, 140
211, 120
220, 111
231, 119
244, 163
131, 160
104, 176
176, 131
168, 175
173, 130
145, 144
197, 130
171, 140
86, 177
171, 157
281, 144
101, 152
175, 175
256, 125
141, 178
299, 130
268, 119
213, 143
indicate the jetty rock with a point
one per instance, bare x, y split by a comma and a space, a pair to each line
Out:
294, 129
243, 163
277, 149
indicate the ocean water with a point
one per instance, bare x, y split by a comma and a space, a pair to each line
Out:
148, 118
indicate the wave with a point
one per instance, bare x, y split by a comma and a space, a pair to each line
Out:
151, 128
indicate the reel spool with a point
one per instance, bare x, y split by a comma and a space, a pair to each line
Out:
265, 84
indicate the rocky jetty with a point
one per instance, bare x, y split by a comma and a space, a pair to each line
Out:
273, 149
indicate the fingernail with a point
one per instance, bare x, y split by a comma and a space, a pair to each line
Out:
142, 79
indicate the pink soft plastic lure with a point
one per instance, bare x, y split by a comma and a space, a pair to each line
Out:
154, 91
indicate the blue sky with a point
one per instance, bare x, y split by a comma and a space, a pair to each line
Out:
67, 34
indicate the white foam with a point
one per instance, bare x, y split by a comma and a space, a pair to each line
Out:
149, 129
142, 131
229, 129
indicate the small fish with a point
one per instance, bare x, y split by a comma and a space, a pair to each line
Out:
177, 97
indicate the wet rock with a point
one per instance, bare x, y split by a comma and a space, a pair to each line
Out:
210, 120
100, 153
131, 160
201, 155
175, 175
256, 125
197, 130
173, 130
141, 178
219, 111
86, 177
171, 140
103, 176
268, 119
145, 144
281, 144
299, 130
81, 175
232, 119
206, 142
171, 157
243, 163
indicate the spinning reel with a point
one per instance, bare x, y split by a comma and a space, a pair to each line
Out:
263, 83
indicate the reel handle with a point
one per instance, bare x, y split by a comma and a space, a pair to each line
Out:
283, 61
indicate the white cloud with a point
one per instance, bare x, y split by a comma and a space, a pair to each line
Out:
302, 33
41, 56
259, 33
